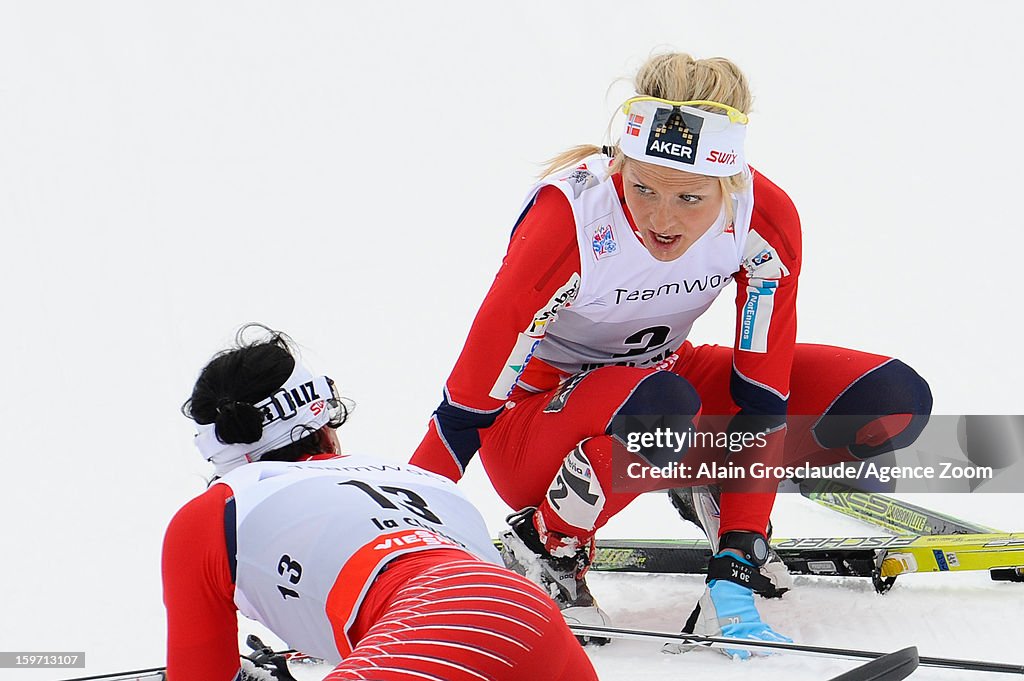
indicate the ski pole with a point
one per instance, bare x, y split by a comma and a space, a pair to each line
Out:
821, 651
159, 673
151, 674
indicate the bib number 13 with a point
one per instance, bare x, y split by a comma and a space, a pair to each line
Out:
406, 497
286, 567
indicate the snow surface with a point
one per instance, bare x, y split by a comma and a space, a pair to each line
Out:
169, 171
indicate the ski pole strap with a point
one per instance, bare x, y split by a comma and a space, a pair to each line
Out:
731, 569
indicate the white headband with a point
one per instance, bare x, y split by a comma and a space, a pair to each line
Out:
684, 138
301, 401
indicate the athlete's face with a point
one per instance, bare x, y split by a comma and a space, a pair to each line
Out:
330, 441
671, 208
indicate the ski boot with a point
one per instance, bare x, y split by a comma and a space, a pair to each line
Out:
561, 576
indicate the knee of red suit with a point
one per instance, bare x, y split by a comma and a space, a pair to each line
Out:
882, 411
661, 401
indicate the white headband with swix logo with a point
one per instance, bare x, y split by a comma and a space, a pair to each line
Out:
303, 401
680, 136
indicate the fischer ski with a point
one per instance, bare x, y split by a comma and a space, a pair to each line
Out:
881, 559
898, 516
886, 512
797, 648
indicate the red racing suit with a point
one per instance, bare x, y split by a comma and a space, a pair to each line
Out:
382, 568
582, 326
528, 329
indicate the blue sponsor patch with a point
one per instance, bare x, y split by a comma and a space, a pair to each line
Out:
750, 313
940, 560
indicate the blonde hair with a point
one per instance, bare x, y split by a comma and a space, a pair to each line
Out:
679, 77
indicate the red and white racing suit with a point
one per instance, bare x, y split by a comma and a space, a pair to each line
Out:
383, 568
582, 325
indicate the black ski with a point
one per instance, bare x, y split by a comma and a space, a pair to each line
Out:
881, 559
892, 667
690, 556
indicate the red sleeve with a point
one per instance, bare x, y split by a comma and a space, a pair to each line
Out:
766, 288
538, 270
202, 627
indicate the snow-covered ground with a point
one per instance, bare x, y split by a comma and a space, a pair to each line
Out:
349, 173
963, 615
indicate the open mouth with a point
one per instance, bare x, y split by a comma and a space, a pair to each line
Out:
666, 239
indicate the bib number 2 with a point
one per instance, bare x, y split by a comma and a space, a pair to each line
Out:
645, 340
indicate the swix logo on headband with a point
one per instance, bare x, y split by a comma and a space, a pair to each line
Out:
722, 157
285, 403
674, 135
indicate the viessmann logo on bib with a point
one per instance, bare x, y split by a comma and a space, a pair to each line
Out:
674, 135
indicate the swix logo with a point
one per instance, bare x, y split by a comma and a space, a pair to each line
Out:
317, 407
285, 403
728, 158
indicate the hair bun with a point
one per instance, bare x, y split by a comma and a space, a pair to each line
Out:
238, 422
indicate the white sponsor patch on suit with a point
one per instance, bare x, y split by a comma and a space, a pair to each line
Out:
527, 341
761, 260
576, 494
764, 267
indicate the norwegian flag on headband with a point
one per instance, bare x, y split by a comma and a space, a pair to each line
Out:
633, 125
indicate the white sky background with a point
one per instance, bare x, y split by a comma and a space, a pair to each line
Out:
349, 173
